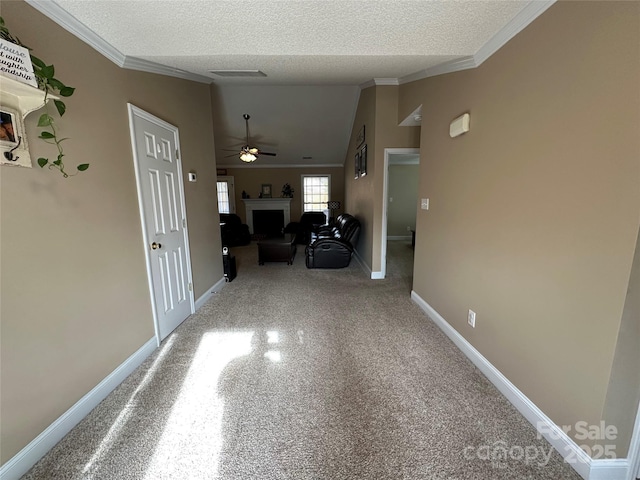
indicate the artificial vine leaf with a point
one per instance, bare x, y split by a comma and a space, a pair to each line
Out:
37, 62
67, 91
83, 166
57, 84
60, 106
42, 162
44, 120
47, 135
48, 71
57, 162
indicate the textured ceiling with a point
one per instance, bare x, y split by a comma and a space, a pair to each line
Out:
297, 41
316, 55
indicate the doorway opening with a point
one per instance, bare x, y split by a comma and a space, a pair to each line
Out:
400, 198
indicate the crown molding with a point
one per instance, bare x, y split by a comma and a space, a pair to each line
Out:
280, 165
134, 63
52, 10
527, 15
386, 81
464, 63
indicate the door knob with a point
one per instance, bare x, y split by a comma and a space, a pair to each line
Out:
156, 246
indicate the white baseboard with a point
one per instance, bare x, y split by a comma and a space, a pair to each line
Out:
586, 467
207, 294
26, 458
371, 274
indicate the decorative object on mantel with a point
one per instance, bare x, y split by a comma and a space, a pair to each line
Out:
266, 190
20, 94
287, 191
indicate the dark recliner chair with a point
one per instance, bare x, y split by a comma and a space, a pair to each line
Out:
234, 232
332, 247
309, 222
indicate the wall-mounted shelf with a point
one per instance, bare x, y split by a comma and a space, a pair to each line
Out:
17, 100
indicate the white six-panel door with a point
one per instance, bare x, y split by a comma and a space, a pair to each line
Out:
161, 197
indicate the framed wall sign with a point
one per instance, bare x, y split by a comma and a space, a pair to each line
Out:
360, 137
356, 165
266, 190
363, 161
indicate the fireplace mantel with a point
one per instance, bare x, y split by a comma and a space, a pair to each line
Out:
252, 204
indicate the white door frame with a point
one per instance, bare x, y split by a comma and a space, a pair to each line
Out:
633, 456
385, 203
138, 112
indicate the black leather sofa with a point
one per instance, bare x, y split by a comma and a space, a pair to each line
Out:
309, 222
332, 246
234, 233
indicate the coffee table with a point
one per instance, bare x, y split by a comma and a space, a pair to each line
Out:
277, 249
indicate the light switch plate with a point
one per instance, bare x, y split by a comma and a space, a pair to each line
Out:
192, 177
424, 204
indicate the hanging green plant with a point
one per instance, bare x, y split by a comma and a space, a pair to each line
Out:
49, 84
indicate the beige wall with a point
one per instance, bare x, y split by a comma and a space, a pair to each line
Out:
403, 189
378, 111
534, 213
75, 301
251, 180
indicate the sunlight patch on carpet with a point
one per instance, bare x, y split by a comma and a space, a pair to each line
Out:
192, 438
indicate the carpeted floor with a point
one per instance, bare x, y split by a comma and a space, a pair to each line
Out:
290, 373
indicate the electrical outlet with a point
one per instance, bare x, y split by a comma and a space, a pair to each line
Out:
471, 319
408, 228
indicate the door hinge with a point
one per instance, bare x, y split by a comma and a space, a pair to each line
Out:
184, 223
190, 287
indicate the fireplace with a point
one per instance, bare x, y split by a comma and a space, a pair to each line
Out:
282, 205
268, 222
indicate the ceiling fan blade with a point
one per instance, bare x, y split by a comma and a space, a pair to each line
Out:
267, 153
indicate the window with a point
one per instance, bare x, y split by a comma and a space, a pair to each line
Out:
315, 193
223, 197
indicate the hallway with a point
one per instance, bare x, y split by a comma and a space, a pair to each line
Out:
290, 373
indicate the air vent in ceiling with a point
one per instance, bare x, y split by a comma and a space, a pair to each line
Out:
238, 73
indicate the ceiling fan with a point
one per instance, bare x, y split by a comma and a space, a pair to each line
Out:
249, 153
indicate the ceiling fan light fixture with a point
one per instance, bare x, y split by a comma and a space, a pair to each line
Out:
248, 157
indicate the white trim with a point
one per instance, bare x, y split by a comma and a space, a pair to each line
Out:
583, 464
463, 63
141, 65
302, 175
634, 450
78, 29
74, 26
533, 10
280, 165
134, 111
210, 291
26, 458
256, 204
385, 206
377, 275
527, 15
